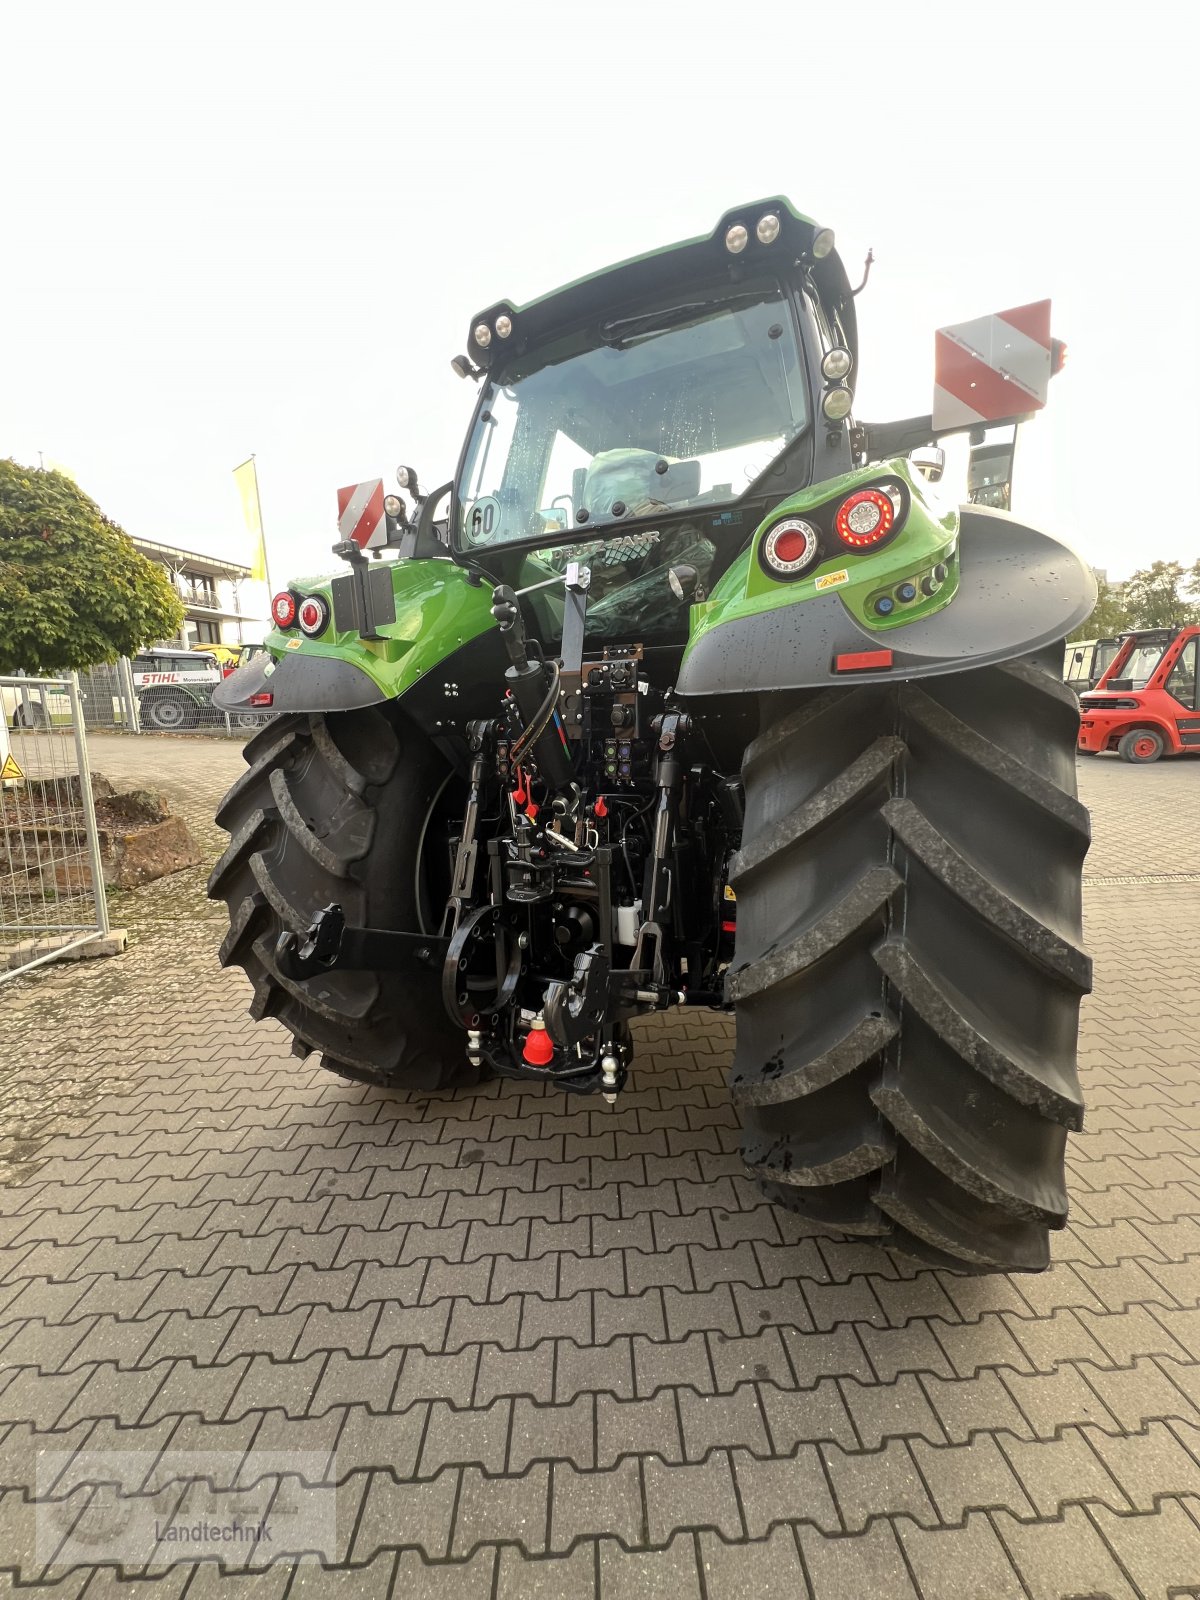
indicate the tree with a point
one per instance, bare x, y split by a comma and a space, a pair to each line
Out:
74, 589
1110, 614
1156, 596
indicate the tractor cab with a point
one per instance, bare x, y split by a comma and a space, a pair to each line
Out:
647, 417
1145, 704
1086, 660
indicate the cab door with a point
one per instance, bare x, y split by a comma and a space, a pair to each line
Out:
1183, 685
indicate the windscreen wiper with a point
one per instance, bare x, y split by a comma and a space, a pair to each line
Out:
671, 316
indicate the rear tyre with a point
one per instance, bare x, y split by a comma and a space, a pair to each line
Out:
909, 965
338, 808
1140, 745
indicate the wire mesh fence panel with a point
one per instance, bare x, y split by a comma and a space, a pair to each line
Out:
51, 879
159, 691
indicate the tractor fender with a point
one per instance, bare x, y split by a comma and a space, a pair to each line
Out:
298, 683
1019, 589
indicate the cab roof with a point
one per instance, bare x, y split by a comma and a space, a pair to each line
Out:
668, 268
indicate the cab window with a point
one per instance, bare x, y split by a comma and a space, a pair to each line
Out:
1182, 681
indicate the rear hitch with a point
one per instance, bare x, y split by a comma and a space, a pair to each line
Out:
329, 945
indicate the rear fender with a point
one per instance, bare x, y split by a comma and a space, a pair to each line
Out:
1103, 729
437, 610
1010, 590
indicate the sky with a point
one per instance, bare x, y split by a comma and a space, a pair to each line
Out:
235, 229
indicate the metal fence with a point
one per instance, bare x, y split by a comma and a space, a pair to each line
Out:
51, 881
152, 694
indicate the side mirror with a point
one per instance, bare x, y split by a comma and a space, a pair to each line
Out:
930, 461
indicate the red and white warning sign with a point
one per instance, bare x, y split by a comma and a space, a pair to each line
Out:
360, 513
993, 368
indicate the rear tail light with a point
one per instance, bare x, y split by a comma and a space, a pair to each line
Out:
865, 518
790, 548
262, 699
313, 615
283, 609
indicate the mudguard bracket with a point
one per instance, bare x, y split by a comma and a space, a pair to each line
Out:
330, 946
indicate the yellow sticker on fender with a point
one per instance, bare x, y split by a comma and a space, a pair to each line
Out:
294, 644
729, 894
831, 580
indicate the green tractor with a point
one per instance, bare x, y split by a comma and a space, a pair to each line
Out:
695, 695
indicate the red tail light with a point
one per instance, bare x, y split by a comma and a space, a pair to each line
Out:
262, 699
865, 518
312, 615
790, 548
283, 609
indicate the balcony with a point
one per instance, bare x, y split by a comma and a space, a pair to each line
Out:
197, 594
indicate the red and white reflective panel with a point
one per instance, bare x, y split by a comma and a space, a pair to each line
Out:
360, 513
992, 369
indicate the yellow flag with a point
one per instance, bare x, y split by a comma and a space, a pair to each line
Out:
246, 478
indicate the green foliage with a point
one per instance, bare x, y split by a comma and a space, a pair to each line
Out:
1110, 615
1157, 596
74, 590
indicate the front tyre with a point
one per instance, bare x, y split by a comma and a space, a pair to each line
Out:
909, 963
341, 808
169, 713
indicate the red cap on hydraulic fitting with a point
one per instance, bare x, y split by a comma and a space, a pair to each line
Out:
539, 1046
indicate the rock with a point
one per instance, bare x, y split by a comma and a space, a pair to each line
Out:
142, 853
139, 839
135, 809
65, 791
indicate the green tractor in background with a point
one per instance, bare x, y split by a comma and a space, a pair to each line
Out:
695, 695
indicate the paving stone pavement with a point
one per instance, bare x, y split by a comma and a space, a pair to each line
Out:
507, 1343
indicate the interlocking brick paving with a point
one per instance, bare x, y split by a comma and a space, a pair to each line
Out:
539, 1347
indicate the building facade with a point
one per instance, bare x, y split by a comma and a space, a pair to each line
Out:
220, 598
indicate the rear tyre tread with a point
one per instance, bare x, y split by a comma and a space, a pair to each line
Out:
951, 867
277, 871
859, 778
876, 1098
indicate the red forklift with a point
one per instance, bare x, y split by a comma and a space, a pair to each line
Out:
1145, 704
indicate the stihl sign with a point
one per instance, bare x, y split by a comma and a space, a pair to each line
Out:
992, 369
360, 513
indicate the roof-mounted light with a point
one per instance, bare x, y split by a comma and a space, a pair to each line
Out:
393, 505
736, 239
822, 244
768, 228
837, 404
482, 335
503, 326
